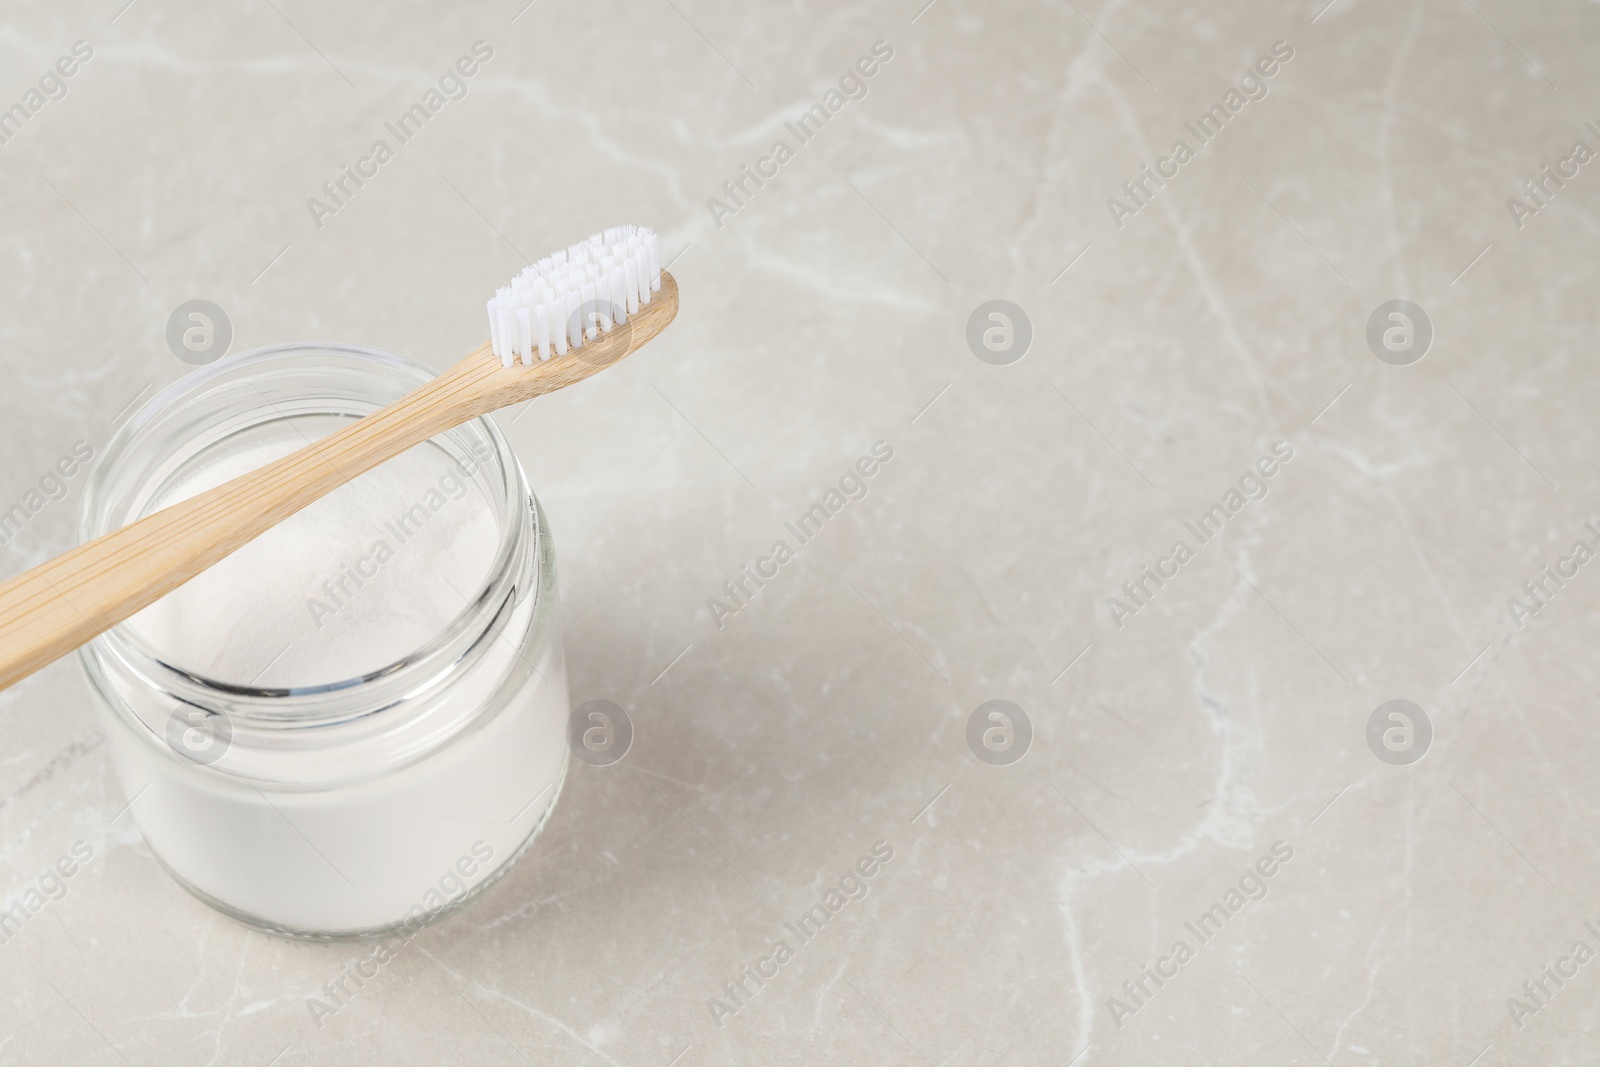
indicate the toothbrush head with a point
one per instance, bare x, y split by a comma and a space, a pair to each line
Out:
575, 296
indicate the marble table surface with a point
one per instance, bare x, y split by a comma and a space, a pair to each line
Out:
1385, 485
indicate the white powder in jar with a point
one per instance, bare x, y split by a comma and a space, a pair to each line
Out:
353, 835
351, 584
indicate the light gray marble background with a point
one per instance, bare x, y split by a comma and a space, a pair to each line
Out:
1174, 342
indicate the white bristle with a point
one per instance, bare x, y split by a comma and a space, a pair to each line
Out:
525, 335
575, 294
504, 333
619, 296
586, 327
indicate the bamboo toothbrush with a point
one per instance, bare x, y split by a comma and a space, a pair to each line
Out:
562, 319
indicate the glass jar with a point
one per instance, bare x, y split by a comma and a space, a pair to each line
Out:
409, 741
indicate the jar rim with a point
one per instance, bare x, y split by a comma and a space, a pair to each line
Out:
462, 639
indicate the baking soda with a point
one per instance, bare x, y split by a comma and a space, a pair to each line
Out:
317, 831
351, 584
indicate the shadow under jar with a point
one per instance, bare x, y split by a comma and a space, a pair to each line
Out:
356, 722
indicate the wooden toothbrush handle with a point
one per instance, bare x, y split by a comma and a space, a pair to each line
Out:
57, 606
51, 610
